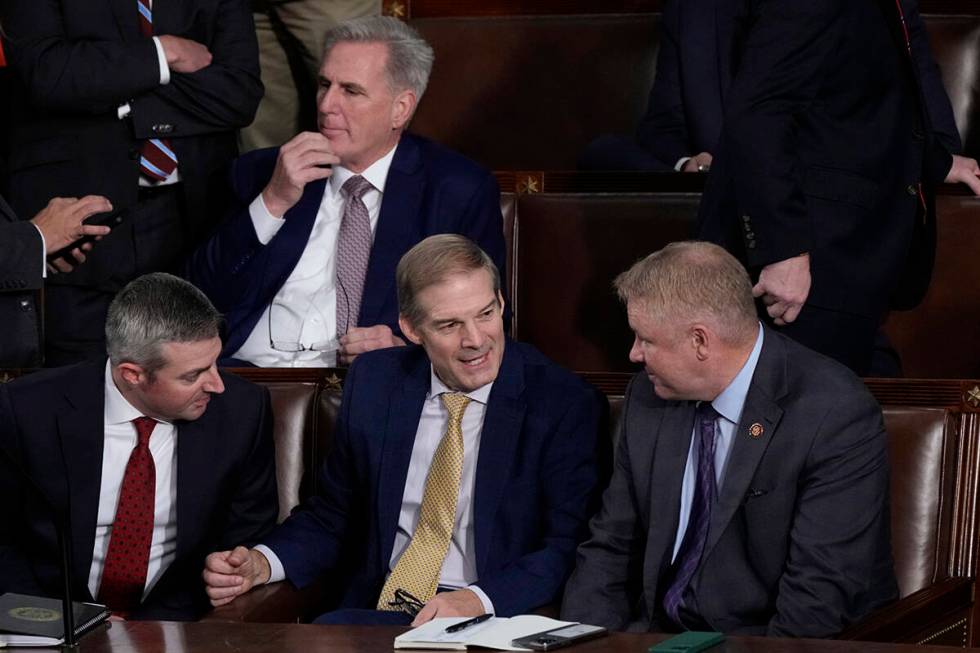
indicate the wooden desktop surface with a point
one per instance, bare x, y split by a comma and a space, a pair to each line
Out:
212, 637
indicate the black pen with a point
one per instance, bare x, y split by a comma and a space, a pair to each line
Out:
455, 628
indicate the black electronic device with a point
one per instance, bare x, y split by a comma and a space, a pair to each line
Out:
559, 637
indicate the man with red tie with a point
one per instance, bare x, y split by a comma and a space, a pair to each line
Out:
156, 457
135, 100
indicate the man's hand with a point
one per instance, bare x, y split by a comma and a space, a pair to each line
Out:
305, 158
228, 574
184, 55
784, 287
459, 603
965, 170
697, 162
61, 223
358, 340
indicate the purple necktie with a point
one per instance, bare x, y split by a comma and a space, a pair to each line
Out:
353, 252
692, 546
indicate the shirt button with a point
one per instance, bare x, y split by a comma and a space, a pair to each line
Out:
911, 189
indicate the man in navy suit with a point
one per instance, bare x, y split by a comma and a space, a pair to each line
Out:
528, 469
70, 436
296, 285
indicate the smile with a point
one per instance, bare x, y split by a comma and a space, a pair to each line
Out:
475, 362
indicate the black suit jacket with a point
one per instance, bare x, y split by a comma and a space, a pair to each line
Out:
798, 543
21, 261
51, 428
823, 149
77, 61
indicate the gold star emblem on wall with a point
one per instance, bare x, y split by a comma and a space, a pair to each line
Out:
528, 185
973, 396
396, 9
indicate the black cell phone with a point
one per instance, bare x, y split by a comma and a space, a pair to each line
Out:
559, 637
111, 219
688, 642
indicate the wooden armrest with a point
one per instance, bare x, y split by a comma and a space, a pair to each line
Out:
907, 619
274, 603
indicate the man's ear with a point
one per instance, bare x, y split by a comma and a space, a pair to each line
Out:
701, 341
409, 330
402, 108
131, 373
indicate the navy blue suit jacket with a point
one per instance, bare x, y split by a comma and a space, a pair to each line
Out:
51, 428
429, 190
535, 479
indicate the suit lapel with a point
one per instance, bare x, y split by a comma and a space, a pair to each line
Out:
82, 433
669, 459
498, 441
761, 407
127, 19
398, 228
399, 439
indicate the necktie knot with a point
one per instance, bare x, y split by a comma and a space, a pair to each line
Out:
706, 412
144, 429
456, 404
356, 186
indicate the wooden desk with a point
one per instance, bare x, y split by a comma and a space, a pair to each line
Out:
212, 637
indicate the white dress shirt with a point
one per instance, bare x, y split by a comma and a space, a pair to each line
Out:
120, 439
304, 309
459, 565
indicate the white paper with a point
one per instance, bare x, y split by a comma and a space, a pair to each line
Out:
497, 632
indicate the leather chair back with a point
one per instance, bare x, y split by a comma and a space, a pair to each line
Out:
955, 43
293, 430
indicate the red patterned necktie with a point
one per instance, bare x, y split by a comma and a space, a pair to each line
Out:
353, 252
157, 160
124, 574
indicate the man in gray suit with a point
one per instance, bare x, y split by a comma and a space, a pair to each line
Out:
750, 488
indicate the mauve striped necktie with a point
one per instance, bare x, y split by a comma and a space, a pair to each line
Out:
692, 546
353, 252
157, 159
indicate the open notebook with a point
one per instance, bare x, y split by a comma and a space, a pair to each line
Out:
497, 633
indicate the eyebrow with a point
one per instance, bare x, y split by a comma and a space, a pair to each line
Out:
354, 86
449, 320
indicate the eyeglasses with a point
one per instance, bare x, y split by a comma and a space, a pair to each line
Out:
323, 346
405, 602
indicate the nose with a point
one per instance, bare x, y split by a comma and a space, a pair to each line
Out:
327, 101
472, 336
213, 384
636, 353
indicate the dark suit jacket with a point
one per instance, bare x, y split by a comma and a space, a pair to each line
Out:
798, 543
822, 150
429, 190
21, 261
694, 72
51, 428
77, 61
535, 479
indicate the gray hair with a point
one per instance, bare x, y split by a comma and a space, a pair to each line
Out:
434, 260
152, 310
695, 281
409, 56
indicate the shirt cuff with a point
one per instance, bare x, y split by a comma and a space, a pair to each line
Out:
123, 110
680, 163
484, 599
276, 570
162, 58
44, 248
265, 224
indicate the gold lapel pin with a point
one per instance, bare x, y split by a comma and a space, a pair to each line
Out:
756, 430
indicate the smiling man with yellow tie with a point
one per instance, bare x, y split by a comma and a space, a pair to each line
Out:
463, 469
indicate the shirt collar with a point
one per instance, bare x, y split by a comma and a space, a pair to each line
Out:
437, 387
118, 410
730, 402
376, 173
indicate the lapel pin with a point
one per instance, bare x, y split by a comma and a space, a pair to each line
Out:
756, 430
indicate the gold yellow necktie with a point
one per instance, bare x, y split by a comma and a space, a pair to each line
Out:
417, 571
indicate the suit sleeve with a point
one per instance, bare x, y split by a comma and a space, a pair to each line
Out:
599, 590
663, 130
222, 96
780, 73
16, 574
838, 539
255, 503
310, 541
569, 479
22, 259
74, 75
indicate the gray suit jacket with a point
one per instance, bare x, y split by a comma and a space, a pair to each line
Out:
799, 538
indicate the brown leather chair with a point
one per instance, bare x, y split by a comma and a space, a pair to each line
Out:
568, 249
955, 42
